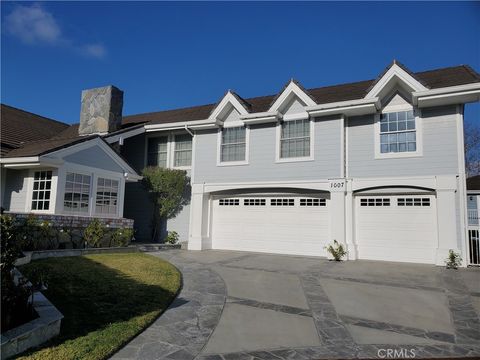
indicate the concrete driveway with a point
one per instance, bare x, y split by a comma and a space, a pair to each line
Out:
237, 305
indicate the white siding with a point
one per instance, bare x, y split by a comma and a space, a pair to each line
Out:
16, 188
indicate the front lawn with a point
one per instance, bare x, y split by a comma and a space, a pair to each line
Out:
106, 299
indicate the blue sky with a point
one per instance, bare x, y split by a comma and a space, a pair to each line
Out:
170, 55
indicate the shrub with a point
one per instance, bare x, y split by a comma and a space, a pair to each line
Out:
169, 191
336, 250
47, 236
121, 237
94, 233
172, 237
454, 260
16, 308
26, 233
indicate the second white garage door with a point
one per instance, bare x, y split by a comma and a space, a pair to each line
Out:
396, 228
297, 225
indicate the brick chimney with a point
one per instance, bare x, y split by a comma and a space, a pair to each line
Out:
101, 110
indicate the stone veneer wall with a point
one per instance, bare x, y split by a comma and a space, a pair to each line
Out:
101, 110
76, 221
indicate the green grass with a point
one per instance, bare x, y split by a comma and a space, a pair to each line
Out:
106, 300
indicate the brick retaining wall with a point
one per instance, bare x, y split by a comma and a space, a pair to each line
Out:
74, 221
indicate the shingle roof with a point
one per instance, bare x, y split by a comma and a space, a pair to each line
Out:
19, 126
27, 134
473, 183
451, 76
37, 148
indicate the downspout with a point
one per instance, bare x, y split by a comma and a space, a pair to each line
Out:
188, 130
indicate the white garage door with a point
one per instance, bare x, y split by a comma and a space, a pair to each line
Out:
276, 224
396, 228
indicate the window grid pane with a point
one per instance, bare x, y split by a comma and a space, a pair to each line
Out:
183, 150
77, 193
42, 184
397, 132
157, 151
233, 146
295, 139
107, 196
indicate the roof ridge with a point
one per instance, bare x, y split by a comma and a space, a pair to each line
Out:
31, 113
443, 68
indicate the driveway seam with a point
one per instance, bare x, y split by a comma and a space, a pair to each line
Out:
379, 325
383, 283
221, 312
270, 306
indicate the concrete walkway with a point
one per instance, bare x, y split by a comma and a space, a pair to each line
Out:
236, 305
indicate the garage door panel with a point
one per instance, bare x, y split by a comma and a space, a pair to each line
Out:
299, 230
389, 230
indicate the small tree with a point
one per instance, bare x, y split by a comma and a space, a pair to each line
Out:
472, 148
169, 190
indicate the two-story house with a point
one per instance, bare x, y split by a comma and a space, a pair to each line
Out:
377, 165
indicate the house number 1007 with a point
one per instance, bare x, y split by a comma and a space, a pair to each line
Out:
337, 185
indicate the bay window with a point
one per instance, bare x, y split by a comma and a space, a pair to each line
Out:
106, 197
77, 193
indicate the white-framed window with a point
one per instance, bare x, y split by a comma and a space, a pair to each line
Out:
182, 150
398, 134
106, 199
42, 186
295, 140
77, 193
169, 150
157, 151
233, 145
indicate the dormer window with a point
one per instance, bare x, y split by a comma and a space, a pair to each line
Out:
397, 132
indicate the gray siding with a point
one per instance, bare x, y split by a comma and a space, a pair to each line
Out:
94, 157
138, 206
439, 147
133, 150
180, 223
262, 165
15, 196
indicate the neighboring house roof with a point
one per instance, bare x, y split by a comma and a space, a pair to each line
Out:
19, 126
473, 183
450, 76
